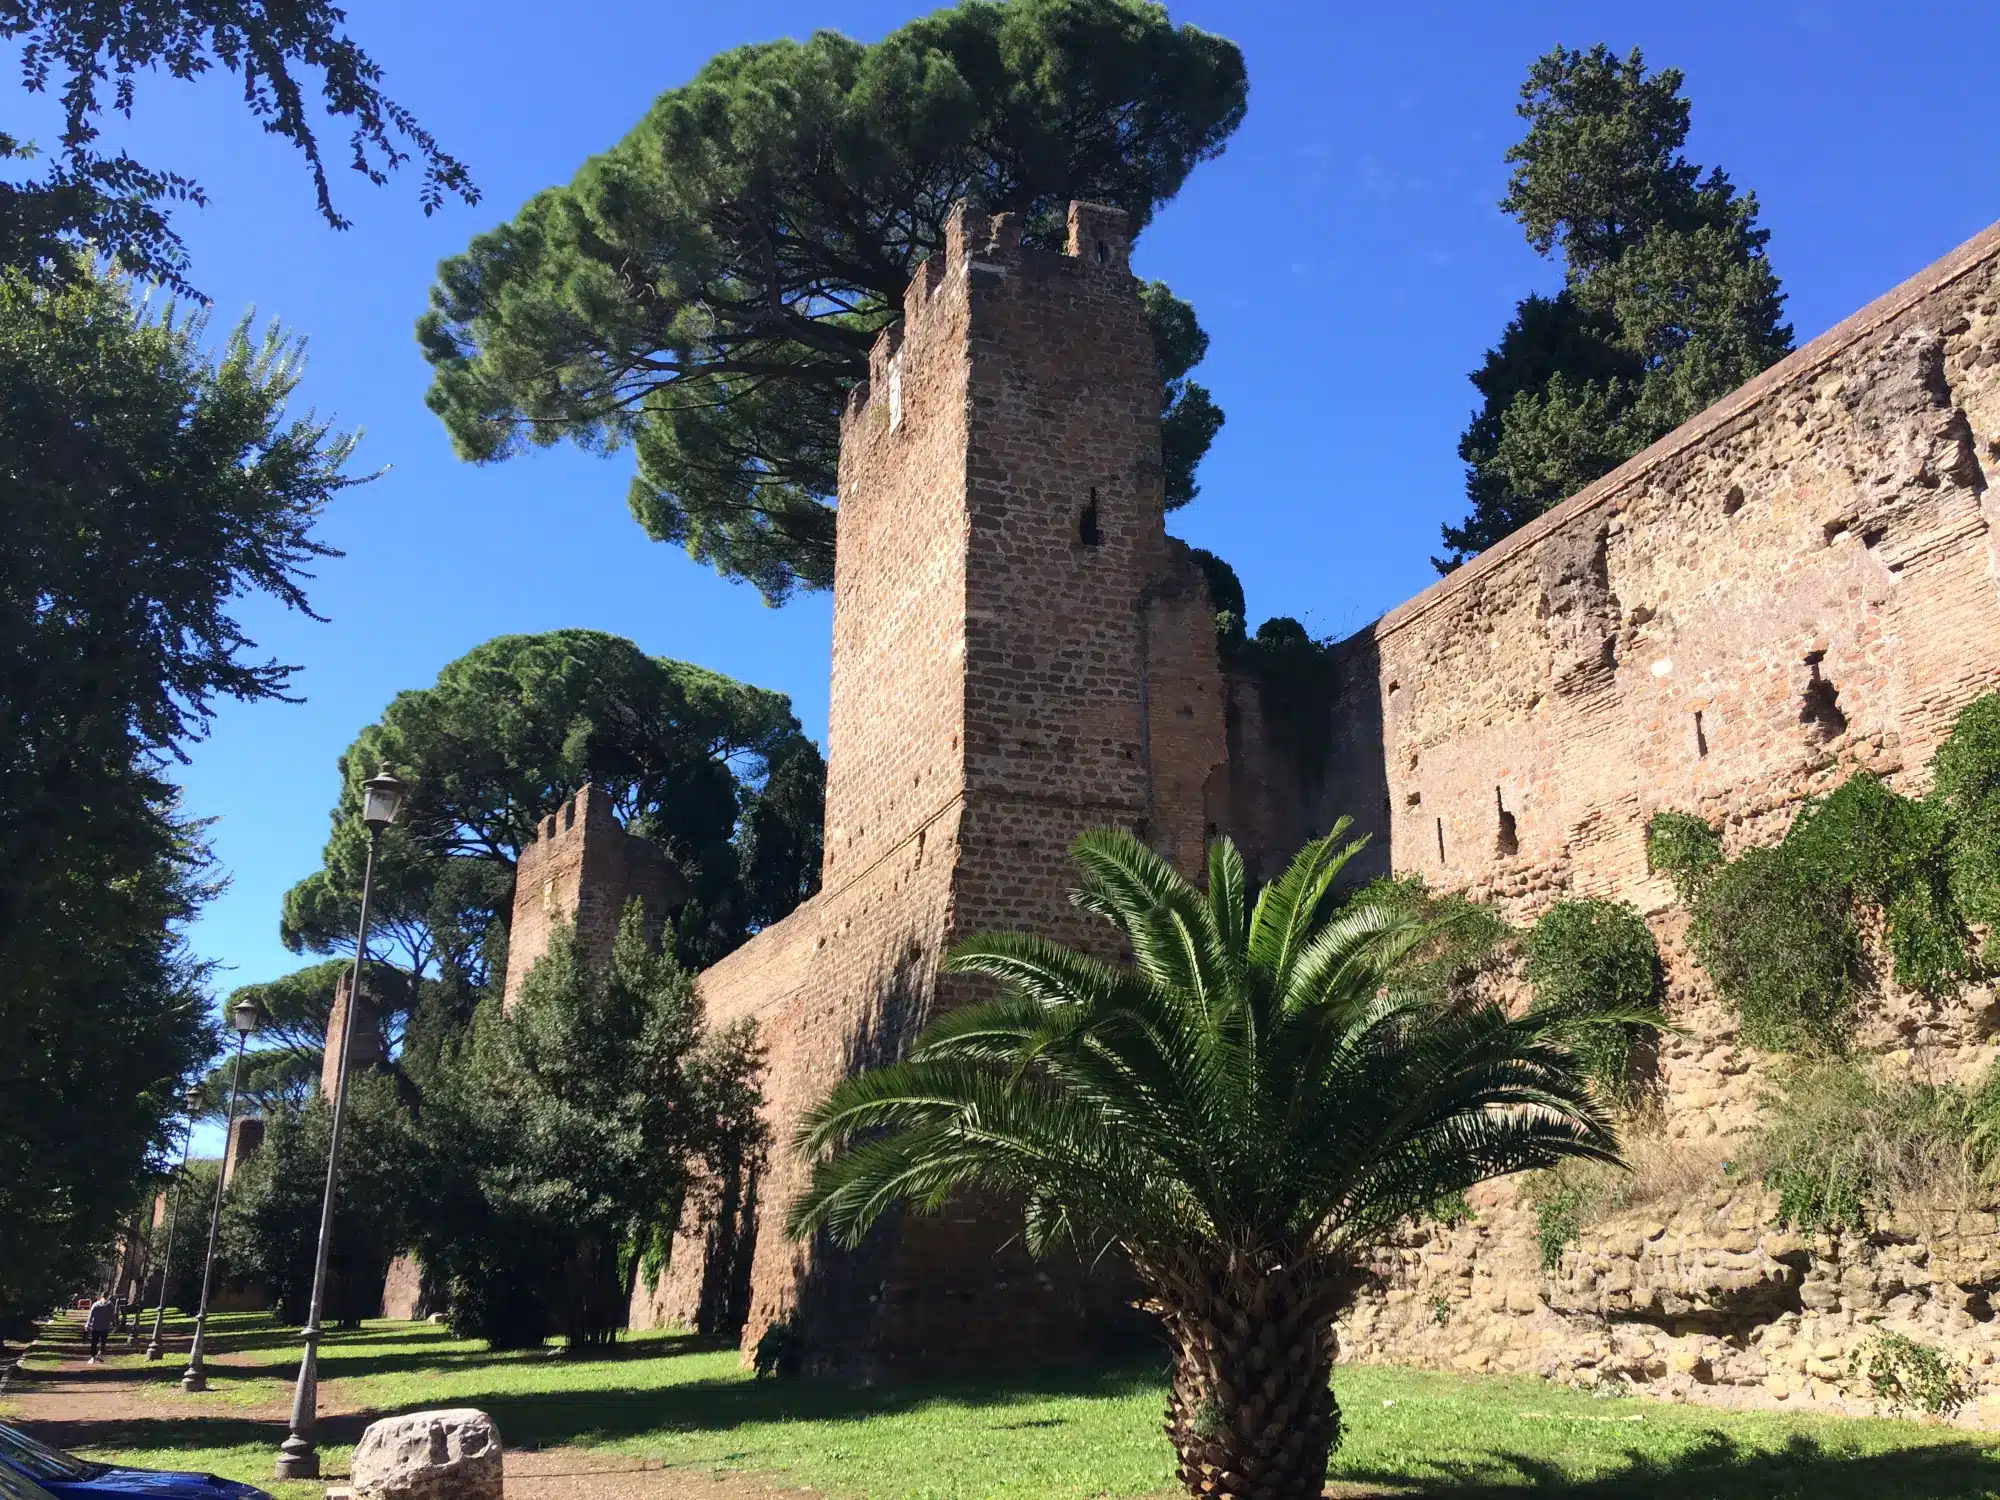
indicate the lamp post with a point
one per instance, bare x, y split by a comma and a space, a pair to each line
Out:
154, 1350
245, 1017
298, 1458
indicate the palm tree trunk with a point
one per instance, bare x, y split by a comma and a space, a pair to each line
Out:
1251, 1413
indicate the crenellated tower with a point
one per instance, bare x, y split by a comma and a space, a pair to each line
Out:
1020, 653
582, 867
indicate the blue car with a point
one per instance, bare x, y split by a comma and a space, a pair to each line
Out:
34, 1471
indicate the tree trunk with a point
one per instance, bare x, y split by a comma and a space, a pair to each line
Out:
1251, 1413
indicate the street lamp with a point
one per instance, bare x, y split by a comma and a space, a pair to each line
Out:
298, 1458
154, 1350
245, 1016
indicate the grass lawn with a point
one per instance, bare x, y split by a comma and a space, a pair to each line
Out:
1050, 1437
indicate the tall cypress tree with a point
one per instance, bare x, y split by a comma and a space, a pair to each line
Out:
1668, 300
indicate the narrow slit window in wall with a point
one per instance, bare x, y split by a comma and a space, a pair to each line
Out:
1087, 530
1440, 822
895, 395
1700, 737
1821, 706
1508, 841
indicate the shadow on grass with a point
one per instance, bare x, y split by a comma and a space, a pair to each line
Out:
556, 1418
561, 1418
339, 1364
1720, 1468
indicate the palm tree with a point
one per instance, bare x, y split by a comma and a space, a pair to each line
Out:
1242, 1110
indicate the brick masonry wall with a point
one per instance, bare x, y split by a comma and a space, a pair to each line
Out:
1019, 654
246, 1139
583, 868
1799, 583
366, 1048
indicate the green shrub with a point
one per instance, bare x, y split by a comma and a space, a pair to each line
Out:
779, 1352
1563, 1202
1684, 849
1908, 1375
1471, 939
1783, 951
1593, 959
1966, 781
1777, 928
1867, 845
1841, 1145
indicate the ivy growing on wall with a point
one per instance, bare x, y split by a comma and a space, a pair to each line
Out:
1779, 929
1596, 960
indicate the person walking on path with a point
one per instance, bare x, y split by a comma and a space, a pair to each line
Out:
97, 1325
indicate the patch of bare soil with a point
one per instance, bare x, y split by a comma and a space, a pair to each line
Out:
575, 1474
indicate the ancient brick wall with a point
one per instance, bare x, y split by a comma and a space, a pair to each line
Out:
1799, 583
246, 1139
1019, 654
366, 1048
582, 868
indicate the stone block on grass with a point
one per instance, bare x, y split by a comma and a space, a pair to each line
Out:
429, 1455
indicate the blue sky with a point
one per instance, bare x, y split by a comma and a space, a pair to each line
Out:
1345, 254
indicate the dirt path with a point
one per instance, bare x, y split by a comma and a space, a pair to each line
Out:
60, 1398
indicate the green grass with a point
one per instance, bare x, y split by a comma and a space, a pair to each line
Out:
1051, 1437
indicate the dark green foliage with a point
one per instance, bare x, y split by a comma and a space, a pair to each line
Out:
1777, 928
1294, 675
1189, 417
272, 1210
1966, 783
195, 1187
1668, 301
148, 487
1908, 1375
1589, 961
1684, 849
1242, 1110
563, 1130
1463, 939
715, 771
1225, 593
1783, 949
1560, 1206
118, 205
708, 289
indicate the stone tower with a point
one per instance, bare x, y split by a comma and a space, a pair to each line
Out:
1019, 654
582, 867
365, 1050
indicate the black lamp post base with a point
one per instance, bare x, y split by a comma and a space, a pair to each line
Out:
298, 1459
195, 1380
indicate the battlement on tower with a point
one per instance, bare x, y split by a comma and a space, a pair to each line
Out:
583, 867
1020, 653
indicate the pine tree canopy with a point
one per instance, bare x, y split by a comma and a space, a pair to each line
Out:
707, 290
715, 771
1668, 303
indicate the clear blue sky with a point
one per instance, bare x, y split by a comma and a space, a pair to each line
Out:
1345, 254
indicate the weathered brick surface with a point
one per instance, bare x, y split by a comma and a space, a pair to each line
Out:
1799, 583
366, 1048
1019, 654
246, 1139
583, 868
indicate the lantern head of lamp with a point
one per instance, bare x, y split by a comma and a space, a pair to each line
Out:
246, 1016
382, 798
